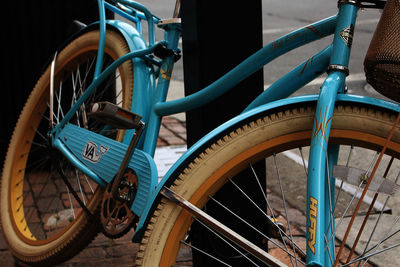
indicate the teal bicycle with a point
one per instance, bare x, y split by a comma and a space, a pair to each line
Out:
80, 160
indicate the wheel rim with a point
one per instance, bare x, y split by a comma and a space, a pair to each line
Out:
42, 207
208, 188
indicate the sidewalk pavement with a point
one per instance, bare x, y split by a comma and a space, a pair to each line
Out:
104, 251
120, 252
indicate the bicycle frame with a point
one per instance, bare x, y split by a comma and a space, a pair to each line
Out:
334, 58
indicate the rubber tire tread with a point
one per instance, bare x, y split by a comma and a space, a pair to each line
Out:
294, 119
74, 241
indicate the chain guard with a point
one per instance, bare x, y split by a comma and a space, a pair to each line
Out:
116, 216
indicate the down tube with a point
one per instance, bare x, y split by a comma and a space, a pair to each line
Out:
318, 198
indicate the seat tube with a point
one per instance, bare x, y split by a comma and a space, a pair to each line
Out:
320, 193
172, 35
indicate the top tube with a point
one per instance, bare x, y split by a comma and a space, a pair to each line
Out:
256, 61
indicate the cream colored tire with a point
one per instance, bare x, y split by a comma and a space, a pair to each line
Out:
260, 137
18, 200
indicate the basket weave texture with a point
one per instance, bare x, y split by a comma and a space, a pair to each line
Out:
382, 61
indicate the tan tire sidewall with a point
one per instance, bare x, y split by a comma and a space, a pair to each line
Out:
239, 141
116, 46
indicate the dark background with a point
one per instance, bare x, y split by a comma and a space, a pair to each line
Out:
30, 39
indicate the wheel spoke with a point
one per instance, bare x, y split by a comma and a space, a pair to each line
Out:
285, 206
303, 160
60, 111
48, 203
267, 218
371, 254
378, 220
269, 207
226, 241
368, 213
331, 215
220, 228
255, 229
342, 182
78, 182
366, 188
204, 253
354, 196
220, 181
384, 236
70, 202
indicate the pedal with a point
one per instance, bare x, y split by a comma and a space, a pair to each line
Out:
114, 115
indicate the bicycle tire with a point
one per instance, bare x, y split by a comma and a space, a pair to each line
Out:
265, 135
41, 220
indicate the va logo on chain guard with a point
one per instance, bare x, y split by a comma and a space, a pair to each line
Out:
90, 152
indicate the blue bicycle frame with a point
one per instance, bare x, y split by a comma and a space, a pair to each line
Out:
149, 102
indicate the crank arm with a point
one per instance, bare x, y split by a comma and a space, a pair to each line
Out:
125, 162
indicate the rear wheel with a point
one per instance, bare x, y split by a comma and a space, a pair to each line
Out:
42, 219
280, 141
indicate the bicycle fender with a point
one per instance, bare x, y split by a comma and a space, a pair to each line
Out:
232, 124
144, 76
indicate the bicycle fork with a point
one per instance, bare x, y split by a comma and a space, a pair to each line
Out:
320, 183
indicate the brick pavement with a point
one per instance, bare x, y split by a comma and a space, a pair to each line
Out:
104, 251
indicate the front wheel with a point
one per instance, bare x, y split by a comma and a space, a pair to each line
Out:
272, 217
45, 221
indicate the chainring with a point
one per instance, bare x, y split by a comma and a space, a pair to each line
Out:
116, 216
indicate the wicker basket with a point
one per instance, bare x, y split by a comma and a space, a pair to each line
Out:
382, 61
